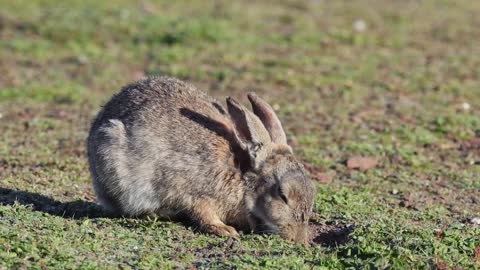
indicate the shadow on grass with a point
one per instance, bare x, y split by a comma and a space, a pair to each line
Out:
75, 209
78, 209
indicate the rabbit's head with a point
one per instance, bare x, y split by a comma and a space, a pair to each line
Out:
280, 195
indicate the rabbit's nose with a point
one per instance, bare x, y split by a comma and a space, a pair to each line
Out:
302, 236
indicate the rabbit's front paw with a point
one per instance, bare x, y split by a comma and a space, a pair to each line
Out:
222, 230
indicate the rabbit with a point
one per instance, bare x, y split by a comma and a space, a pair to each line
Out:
162, 147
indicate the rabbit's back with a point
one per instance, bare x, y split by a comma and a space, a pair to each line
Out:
159, 144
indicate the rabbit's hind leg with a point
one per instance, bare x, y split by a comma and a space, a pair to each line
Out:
205, 215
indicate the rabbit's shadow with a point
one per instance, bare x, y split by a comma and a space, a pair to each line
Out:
77, 209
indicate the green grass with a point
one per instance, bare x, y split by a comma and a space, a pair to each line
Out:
395, 92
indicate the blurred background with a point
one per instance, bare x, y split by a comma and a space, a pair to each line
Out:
380, 99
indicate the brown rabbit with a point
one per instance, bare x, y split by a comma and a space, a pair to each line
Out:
162, 147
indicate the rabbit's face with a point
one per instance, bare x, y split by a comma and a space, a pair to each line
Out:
283, 198
279, 196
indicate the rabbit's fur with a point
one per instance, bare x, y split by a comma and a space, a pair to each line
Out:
162, 147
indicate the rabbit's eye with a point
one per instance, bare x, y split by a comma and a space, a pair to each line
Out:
257, 146
282, 195
284, 198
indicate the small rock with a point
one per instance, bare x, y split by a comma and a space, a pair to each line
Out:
361, 163
466, 106
323, 178
360, 25
82, 59
395, 192
475, 220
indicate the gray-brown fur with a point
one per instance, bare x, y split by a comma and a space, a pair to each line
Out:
162, 147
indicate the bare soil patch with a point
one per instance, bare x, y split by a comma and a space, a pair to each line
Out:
330, 235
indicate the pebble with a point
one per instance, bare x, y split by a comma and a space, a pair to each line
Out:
475, 220
360, 25
466, 106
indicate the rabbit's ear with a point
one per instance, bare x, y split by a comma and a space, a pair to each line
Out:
269, 119
249, 132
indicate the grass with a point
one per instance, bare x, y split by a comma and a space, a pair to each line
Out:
395, 91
